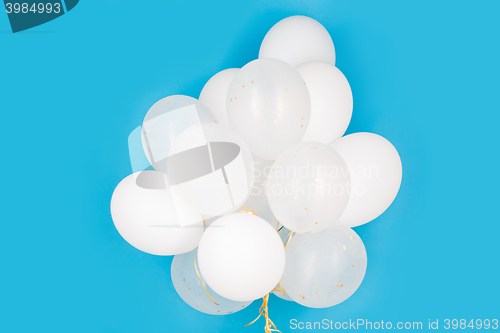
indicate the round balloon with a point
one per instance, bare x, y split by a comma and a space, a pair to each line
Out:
214, 94
187, 284
376, 173
324, 269
331, 101
145, 216
268, 105
298, 39
241, 257
307, 188
165, 120
210, 168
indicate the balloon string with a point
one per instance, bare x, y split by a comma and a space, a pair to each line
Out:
289, 236
199, 276
263, 311
246, 210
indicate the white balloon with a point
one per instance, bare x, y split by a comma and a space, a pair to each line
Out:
145, 216
165, 120
307, 188
298, 39
331, 101
241, 257
324, 269
214, 94
376, 173
189, 287
268, 105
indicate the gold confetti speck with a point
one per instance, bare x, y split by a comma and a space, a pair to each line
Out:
189, 288
262, 184
305, 208
352, 265
252, 81
183, 279
287, 90
301, 125
341, 285
343, 246
243, 86
316, 293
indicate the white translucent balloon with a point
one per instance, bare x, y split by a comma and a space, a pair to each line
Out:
376, 173
144, 214
189, 287
268, 105
241, 257
165, 120
331, 101
307, 188
257, 201
210, 169
324, 269
214, 94
298, 39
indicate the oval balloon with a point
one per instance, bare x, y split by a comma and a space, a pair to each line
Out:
268, 106
331, 101
308, 186
376, 174
325, 268
298, 39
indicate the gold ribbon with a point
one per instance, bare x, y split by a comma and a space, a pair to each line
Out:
199, 276
270, 327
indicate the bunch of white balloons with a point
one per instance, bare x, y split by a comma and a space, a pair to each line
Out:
213, 176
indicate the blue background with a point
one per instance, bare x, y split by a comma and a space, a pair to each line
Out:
423, 74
